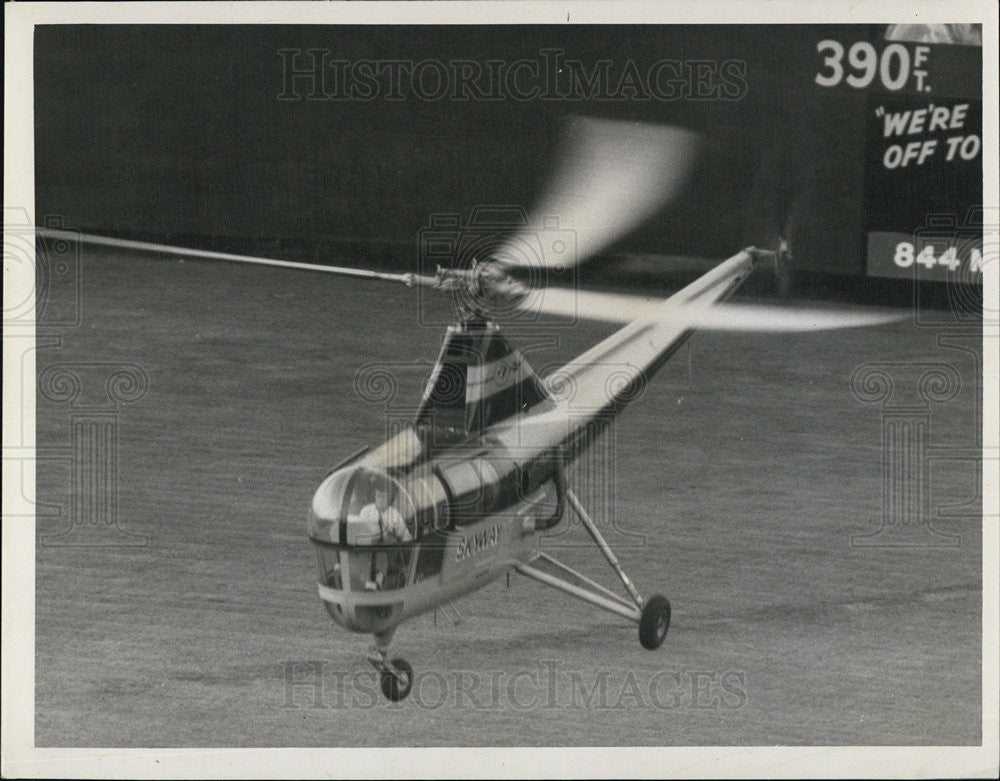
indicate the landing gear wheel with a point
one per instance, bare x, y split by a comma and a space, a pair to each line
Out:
394, 688
654, 622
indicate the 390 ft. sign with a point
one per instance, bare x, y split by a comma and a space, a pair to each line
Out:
894, 65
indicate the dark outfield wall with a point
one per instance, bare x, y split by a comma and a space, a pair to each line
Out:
205, 131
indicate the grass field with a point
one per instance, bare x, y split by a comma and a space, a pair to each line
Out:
738, 483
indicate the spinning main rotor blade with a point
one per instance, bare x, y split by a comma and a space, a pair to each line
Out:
199, 254
611, 176
616, 308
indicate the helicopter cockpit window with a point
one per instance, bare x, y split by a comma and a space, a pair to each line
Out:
362, 505
331, 572
383, 568
378, 510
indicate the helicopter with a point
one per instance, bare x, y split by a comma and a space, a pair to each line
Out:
463, 494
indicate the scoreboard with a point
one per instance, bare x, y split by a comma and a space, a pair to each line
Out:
922, 157
861, 143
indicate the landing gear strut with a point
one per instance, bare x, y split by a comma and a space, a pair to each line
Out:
653, 616
396, 675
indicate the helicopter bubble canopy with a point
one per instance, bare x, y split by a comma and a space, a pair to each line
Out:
350, 503
341, 500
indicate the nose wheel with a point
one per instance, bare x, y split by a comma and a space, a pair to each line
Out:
397, 680
396, 675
